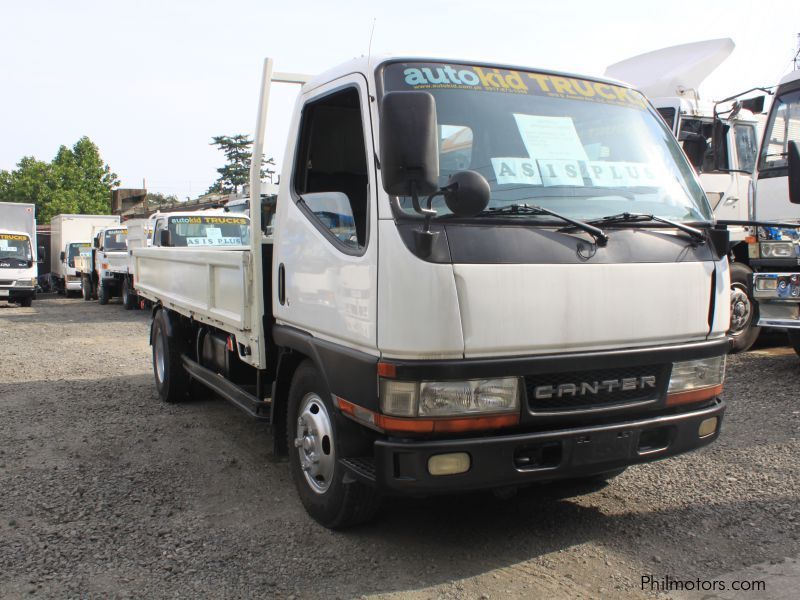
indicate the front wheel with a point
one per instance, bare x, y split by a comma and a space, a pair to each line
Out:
26, 301
318, 476
794, 339
86, 288
743, 330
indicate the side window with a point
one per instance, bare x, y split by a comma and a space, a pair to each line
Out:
160, 224
331, 166
746, 146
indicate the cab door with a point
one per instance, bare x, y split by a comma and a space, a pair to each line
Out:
325, 264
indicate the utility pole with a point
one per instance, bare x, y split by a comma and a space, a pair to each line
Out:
797, 55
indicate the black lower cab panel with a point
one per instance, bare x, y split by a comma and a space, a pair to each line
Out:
402, 466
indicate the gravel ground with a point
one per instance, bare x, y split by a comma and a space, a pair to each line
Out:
105, 491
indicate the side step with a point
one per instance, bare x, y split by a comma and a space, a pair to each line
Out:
254, 407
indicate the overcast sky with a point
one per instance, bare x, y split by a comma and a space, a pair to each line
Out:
151, 81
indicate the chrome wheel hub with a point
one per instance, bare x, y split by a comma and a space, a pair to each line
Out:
158, 349
314, 443
741, 309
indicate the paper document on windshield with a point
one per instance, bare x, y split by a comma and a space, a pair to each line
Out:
550, 138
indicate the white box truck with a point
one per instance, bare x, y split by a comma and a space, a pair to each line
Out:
71, 235
480, 276
18, 253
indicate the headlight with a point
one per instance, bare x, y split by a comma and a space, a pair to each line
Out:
777, 249
449, 398
25, 282
697, 374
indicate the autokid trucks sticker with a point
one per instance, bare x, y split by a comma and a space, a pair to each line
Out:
210, 231
430, 76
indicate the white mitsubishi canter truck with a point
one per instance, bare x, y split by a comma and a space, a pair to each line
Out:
480, 276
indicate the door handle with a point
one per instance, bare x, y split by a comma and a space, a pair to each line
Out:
281, 284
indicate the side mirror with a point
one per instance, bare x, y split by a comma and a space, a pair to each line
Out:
794, 172
409, 144
62, 256
165, 238
96, 242
719, 145
467, 193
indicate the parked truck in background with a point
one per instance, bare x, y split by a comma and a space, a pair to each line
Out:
552, 303
774, 247
721, 140
71, 235
18, 253
104, 268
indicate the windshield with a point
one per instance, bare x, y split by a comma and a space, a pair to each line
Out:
583, 148
783, 126
115, 239
210, 231
15, 250
76, 249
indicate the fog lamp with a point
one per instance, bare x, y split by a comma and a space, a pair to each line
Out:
449, 464
763, 283
707, 427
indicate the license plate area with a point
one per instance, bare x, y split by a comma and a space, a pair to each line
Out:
602, 447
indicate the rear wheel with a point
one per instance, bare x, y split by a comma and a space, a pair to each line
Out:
103, 296
329, 497
172, 380
86, 288
743, 330
128, 296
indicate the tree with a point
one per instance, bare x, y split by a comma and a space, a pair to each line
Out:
236, 173
76, 181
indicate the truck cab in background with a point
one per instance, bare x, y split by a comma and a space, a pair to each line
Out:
774, 250
721, 141
19, 255
103, 270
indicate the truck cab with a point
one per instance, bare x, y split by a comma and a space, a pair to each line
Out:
481, 276
18, 268
103, 271
67, 256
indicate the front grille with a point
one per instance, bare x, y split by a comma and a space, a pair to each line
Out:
6, 282
600, 388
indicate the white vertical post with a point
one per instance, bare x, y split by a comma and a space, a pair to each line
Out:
257, 298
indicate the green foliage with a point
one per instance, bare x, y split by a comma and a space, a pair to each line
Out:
157, 200
236, 172
75, 182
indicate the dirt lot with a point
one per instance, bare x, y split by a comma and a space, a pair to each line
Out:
104, 491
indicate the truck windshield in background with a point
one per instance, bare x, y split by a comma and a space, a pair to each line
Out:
783, 126
584, 148
77, 249
15, 251
115, 240
210, 231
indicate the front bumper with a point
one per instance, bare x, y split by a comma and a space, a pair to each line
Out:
512, 460
72, 283
778, 297
12, 294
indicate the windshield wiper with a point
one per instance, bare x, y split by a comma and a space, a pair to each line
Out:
626, 217
600, 237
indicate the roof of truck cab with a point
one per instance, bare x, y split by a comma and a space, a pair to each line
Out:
214, 212
789, 77
12, 232
365, 65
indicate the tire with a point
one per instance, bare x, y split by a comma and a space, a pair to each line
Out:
86, 288
102, 294
128, 297
26, 302
743, 309
313, 445
172, 380
794, 339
